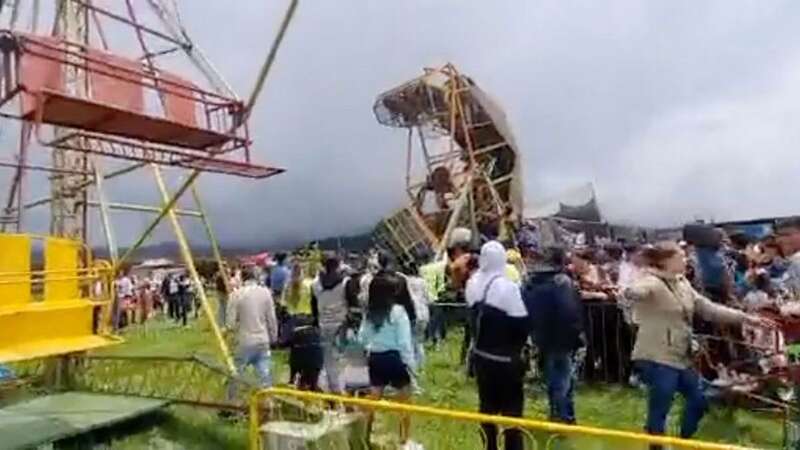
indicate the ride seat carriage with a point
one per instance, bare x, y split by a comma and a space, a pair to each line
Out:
122, 107
61, 309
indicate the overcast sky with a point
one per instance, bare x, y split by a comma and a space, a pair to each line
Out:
674, 110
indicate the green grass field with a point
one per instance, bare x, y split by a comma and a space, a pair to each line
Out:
444, 384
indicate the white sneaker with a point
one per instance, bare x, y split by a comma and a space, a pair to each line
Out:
411, 445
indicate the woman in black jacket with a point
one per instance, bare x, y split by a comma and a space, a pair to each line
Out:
501, 329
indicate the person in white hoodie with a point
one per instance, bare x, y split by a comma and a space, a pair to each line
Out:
501, 329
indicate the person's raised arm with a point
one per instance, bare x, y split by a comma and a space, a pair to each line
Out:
715, 312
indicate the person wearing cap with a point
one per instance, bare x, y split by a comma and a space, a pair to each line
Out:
555, 309
329, 309
501, 328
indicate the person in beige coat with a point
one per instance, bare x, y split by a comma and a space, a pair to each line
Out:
663, 305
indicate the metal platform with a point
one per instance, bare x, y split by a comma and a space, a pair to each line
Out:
55, 417
122, 148
68, 111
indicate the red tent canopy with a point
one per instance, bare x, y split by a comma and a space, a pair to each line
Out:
259, 259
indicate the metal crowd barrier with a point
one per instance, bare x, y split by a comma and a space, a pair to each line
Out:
290, 419
609, 343
609, 338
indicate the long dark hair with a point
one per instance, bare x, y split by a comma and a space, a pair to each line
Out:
381, 300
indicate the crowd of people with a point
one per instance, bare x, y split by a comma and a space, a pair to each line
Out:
515, 299
139, 298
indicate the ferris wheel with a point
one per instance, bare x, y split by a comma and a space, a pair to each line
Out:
103, 91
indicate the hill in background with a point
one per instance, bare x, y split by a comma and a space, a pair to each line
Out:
169, 249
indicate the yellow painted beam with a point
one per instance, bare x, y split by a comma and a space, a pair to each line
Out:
186, 252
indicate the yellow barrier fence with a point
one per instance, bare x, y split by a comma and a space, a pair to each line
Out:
283, 418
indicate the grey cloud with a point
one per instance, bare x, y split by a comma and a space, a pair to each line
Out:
689, 105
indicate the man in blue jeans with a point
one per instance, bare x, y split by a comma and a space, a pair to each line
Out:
251, 312
555, 310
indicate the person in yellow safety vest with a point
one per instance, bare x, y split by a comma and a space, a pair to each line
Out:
514, 268
435, 283
433, 274
305, 351
297, 297
512, 273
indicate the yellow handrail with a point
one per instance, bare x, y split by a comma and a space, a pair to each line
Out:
467, 416
47, 280
47, 272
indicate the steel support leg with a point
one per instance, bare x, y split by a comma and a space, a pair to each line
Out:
189, 261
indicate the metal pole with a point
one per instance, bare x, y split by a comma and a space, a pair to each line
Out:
108, 176
15, 191
193, 52
273, 52
38, 168
167, 208
408, 158
189, 261
104, 217
454, 216
473, 220
68, 215
424, 149
142, 208
35, 17
14, 15
125, 20
99, 28
213, 239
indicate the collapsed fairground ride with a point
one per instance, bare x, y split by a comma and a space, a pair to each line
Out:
471, 173
99, 93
